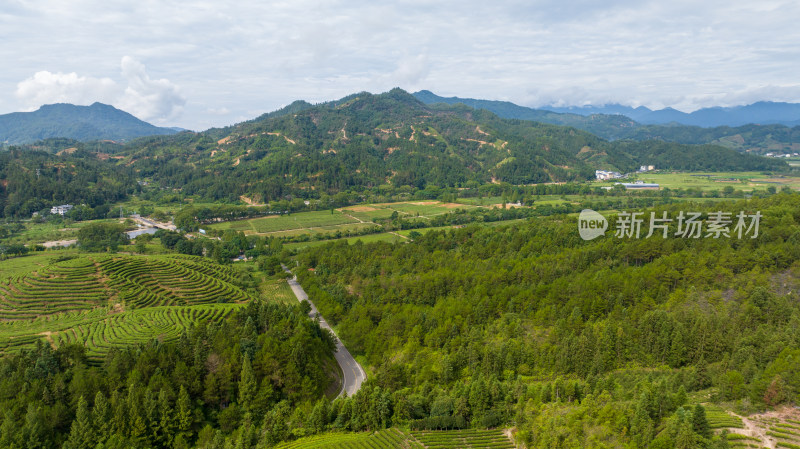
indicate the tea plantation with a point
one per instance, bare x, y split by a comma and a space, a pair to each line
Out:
107, 301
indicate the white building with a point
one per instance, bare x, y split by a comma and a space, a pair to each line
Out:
61, 210
603, 175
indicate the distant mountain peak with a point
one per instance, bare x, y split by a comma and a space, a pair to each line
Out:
97, 121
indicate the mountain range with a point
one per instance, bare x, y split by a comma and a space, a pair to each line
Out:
395, 140
761, 113
610, 123
95, 122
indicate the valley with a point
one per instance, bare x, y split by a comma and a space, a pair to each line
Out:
440, 294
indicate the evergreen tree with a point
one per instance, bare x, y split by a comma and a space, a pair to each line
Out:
680, 396
166, 419
247, 385
699, 422
81, 435
8, 431
101, 417
184, 413
34, 432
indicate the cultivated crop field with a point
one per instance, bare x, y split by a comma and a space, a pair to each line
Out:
746, 181
105, 301
396, 438
352, 218
778, 428
274, 223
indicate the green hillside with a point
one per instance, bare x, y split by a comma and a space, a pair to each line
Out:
393, 140
103, 301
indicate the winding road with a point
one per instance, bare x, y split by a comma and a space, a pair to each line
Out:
353, 374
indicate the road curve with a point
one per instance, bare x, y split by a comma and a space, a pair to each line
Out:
352, 373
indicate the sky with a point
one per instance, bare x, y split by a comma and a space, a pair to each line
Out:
198, 64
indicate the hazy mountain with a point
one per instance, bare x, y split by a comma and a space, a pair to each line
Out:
607, 126
614, 122
763, 112
96, 122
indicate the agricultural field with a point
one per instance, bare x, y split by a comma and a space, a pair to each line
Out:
382, 237
779, 428
344, 220
104, 301
396, 438
746, 181
37, 233
278, 223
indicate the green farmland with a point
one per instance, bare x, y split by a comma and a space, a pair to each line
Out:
746, 181
348, 219
396, 438
104, 301
278, 223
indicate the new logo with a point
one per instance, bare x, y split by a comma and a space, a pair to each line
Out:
591, 224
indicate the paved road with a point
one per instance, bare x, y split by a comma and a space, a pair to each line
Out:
353, 373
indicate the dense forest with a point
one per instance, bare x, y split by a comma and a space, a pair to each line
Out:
578, 344
33, 180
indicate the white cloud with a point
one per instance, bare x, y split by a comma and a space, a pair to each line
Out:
255, 56
45, 87
148, 99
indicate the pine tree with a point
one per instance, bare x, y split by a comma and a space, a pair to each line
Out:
101, 417
247, 385
33, 433
166, 419
685, 439
119, 417
680, 396
81, 435
699, 422
184, 412
8, 430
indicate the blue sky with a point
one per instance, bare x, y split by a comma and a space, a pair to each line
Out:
198, 64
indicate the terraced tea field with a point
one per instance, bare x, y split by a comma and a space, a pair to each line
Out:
396, 438
778, 428
105, 301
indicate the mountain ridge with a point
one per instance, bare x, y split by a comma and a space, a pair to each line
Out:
393, 139
97, 121
616, 126
758, 113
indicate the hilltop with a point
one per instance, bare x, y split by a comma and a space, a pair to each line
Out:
96, 122
395, 140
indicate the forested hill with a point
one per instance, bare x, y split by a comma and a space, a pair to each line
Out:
96, 122
393, 139
616, 126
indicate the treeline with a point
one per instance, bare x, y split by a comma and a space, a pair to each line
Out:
220, 381
513, 307
33, 181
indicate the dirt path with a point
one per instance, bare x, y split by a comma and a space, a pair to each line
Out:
355, 218
754, 431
